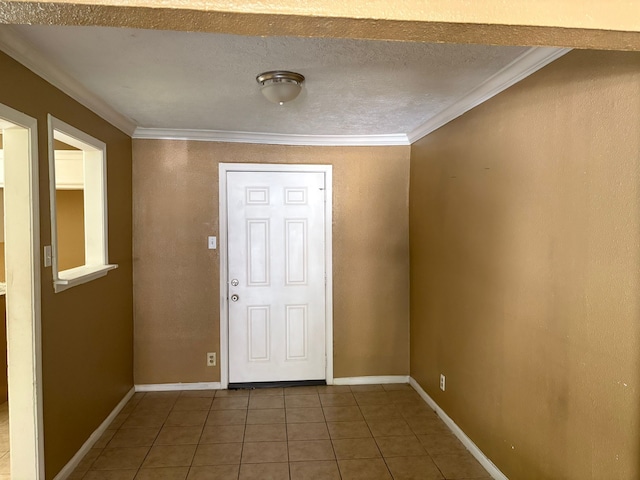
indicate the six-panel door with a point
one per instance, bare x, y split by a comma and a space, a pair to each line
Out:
276, 275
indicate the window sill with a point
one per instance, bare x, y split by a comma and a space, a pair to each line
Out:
79, 275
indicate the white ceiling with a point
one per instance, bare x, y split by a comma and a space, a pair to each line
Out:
199, 81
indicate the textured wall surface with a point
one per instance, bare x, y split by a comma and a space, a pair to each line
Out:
525, 261
176, 279
70, 222
87, 331
583, 24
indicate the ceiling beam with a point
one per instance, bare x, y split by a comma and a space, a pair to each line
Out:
613, 25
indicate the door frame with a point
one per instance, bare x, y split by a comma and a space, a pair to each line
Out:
24, 344
223, 169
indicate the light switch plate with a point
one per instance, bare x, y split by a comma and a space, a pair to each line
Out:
213, 243
47, 255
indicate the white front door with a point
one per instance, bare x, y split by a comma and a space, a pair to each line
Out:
276, 276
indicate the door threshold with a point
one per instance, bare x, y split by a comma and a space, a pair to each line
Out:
286, 383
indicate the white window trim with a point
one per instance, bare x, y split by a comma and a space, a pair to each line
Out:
95, 207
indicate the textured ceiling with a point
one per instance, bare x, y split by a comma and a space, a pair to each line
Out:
181, 80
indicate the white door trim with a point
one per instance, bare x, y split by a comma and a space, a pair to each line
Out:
23, 307
222, 233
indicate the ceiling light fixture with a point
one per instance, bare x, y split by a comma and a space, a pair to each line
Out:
280, 86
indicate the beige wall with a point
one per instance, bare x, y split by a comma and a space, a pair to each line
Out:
176, 278
525, 292
70, 223
87, 345
3, 350
571, 23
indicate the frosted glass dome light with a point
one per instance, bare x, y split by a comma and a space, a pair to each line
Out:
280, 86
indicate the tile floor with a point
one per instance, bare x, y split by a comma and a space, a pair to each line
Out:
5, 468
302, 433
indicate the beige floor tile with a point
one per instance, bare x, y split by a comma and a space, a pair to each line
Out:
232, 393
145, 419
193, 403
161, 396
88, 460
305, 390
442, 445
189, 418
413, 468
405, 397
322, 470
266, 433
334, 389
373, 412
264, 452
342, 414
165, 473
367, 388
214, 472
218, 454
119, 420
197, 394
307, 431
264, 471
104, 439
373, 398
307, 450
405, 446
226, 417
223, 434
426, 425
230, 403
459, 466
267, 391
134, 437
169, 456
266, 401
178, 436
110, 475
120, 458
337, 399
367, 469
302, 401
393, 387
265, 417
389, 428
418, 409
352, 448
357, 429
305, 415
153, 407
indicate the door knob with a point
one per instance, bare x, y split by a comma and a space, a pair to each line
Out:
235, 298
235, 282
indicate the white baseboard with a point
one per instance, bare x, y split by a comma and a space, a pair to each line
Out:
171, 387
371, 380
457, 431
93, 438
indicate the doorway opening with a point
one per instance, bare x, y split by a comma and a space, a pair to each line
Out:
21, 269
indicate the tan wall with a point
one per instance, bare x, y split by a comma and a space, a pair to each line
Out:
87, 345
70, 218
525, 233
176, 278
571, 23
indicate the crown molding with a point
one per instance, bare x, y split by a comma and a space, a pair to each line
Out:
271, 138
529, 62
22, 51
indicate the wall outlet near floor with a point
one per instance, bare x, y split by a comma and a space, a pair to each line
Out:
443, 381
211, 359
